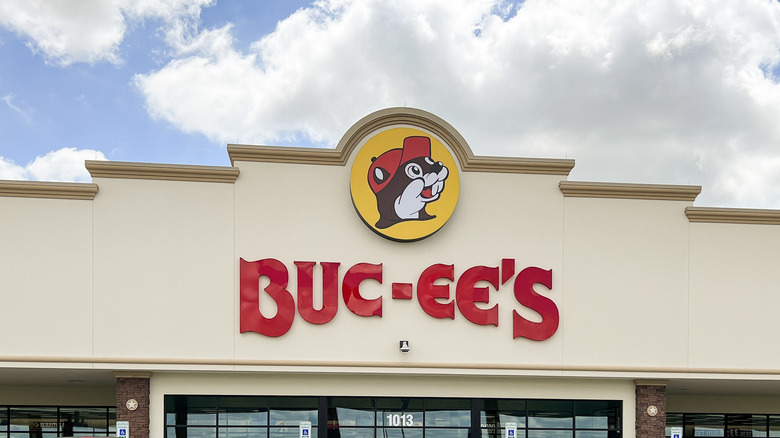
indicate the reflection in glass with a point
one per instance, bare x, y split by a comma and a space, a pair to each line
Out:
350, 412
549, 433
242, 411
446, 433
745, 425
35, 421
191, 410
710, 425
447, 413
243, 432
194, 432
596, 414
290, 411
595, 434
399, 432
348, 432
496, 413
391, 409
673, 420
83, 421
288, 432
774, 425
550, 414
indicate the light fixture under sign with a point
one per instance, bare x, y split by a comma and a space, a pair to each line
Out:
404, 346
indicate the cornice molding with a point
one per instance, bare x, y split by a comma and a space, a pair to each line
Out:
651, 382
581, 189
167, 172
132, 374
733, 215
165, 363
393, 117
51, 190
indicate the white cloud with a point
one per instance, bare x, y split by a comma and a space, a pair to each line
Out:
66, 164
661, 92
88, 30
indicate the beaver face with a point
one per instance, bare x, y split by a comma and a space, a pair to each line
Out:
416, 183
431, 174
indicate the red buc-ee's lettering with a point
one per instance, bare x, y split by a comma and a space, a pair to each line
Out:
433, 295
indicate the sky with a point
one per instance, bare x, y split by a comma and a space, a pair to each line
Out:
635, 91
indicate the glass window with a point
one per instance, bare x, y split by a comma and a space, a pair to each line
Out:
446, 433
242, 411
290, 411
352, 433
83, 421
112, 421
596, 414
673, 420
350, 412
496, 413
596, 434
194, 432
391, 417
191, 411
399, 412
774, 425
745, 425
400, 432
35, 421
708, 425
544, 414
447, 413
288, 432
243, 432
550, 433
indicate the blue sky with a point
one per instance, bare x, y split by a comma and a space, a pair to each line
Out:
96, 106
666, 92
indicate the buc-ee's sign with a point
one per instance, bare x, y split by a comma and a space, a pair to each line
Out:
438, 293
404, 185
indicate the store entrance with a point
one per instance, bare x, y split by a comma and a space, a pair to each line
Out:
388, 417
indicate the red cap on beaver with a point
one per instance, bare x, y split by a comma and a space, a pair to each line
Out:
383, 168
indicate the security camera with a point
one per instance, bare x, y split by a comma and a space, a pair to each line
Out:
404, 346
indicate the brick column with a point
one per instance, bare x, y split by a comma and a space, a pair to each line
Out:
132, 389
650, 408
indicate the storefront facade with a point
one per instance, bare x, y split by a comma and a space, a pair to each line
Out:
196, 301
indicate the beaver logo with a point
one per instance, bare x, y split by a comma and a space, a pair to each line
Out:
398, 182
405, 181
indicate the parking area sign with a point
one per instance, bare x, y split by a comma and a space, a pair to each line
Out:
677, 432
123, 429
510, 430
304, 429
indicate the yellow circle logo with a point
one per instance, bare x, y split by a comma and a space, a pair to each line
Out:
405, 184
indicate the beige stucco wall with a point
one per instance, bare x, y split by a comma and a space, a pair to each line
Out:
625, 282
46, 296
163, 279
149, 270
735, 294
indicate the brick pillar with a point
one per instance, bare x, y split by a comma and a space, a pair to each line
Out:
650, 408
132, 390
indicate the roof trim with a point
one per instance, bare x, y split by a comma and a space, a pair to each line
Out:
733, 215
391, 117
581, 189
51, 190
167, 172
148, 363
